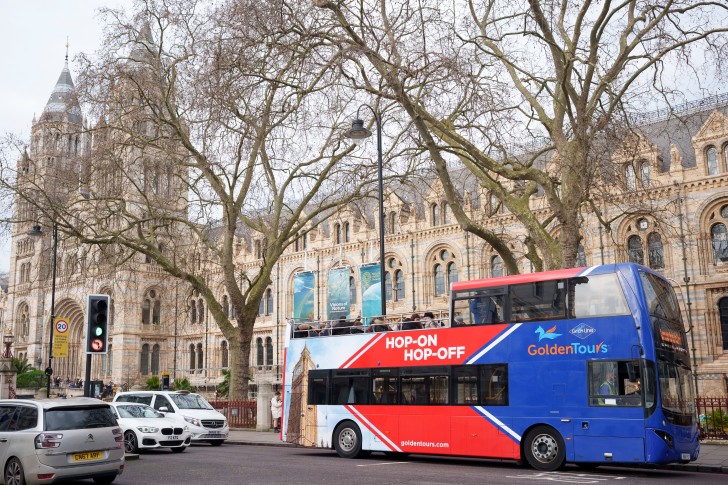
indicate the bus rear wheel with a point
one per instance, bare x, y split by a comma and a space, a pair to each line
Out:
347, 440
544, 448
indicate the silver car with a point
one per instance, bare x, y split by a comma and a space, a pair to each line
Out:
59, 439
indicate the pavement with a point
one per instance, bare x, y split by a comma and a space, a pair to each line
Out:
713, 456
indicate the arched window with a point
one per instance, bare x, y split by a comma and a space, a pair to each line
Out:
352, 290
392, 222
435, 215
23, 320
385, 226
347, 232
399, 285
580, 256
224, 351
337, 233
494, 204
445, 213
711, 155
192, 357
269, 302
261, 307
725, 158
200, 360
200, 311
723, 310
496, 266
645, 172
719, 238
656, 253
151, 307
452, 274
144, 360
388, 285
155, 360
259, 351
268, 352
630, 177
193, 311
439, 276
225, 306
634, 250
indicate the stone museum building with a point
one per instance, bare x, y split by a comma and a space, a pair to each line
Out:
159, 325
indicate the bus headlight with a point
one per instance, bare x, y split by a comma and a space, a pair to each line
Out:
666, 437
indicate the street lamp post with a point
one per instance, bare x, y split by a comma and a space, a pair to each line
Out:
358, 132
49, 370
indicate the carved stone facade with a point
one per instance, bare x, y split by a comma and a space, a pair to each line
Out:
680, 169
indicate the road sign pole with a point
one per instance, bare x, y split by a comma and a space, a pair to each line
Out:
87, 381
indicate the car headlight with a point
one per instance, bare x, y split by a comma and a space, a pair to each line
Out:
147, 429
193, 421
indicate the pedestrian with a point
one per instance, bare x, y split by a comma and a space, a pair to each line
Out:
413, 323
428, 320
275, 411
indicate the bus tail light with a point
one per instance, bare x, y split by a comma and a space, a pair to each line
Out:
666, 437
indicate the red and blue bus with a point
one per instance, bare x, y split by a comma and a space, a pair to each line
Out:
587, 366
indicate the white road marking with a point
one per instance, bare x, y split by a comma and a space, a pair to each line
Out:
386, 463
566, 477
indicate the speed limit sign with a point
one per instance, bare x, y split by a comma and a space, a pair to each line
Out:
61, 325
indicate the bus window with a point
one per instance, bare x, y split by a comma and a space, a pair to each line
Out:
317, 386
541, 300
384, 386
597, 296
466, 385
614, 383
425, 385
494, 386
485, 310
350, 386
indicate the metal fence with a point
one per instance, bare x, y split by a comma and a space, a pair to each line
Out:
240, 414
713, 417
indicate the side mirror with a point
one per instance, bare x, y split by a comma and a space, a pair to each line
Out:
163, 409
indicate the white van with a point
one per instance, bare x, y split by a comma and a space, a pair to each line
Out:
186, 408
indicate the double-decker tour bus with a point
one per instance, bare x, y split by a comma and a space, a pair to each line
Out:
585, 365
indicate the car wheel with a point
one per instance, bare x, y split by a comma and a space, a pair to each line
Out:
216, 443
131, 443
179, 449
544, 448
347, 440
14, 474
105, 479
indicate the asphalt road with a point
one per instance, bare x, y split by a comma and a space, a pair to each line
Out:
232, 464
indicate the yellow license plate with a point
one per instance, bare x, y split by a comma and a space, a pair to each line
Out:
90, 455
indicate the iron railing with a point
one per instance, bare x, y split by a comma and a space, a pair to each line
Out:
712, 417
240, 414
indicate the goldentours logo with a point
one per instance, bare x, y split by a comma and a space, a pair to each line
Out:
575, 348
582, 331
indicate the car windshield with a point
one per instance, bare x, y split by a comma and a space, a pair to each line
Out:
190, 401
138, 412
79, 417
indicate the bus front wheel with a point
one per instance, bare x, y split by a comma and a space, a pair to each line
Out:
544, 448
347, 440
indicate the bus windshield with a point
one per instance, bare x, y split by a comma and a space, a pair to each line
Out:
665, 317
677, 395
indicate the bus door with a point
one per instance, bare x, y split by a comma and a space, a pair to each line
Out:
613, 427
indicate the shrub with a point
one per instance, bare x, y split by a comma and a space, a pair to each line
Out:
181, 384
153, 384
31, 379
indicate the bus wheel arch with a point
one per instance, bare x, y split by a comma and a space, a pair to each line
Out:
347, 439
543, 448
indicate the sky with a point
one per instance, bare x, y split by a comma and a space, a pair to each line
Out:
32, 50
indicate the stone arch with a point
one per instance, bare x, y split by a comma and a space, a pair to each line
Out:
73, 365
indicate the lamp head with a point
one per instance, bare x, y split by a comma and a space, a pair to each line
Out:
357, 131
36, 231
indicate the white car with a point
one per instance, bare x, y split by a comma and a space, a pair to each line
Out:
144, 427
187, 409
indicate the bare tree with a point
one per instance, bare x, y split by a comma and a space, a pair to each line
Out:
525, 94
218, 136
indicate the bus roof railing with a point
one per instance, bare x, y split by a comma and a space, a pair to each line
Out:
392, 322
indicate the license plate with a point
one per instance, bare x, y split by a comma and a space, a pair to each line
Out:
174, 437
213, 432
685, 456
90, 455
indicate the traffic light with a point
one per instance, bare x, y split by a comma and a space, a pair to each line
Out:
97, 324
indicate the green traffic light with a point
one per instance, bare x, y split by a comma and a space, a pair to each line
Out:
99, 331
